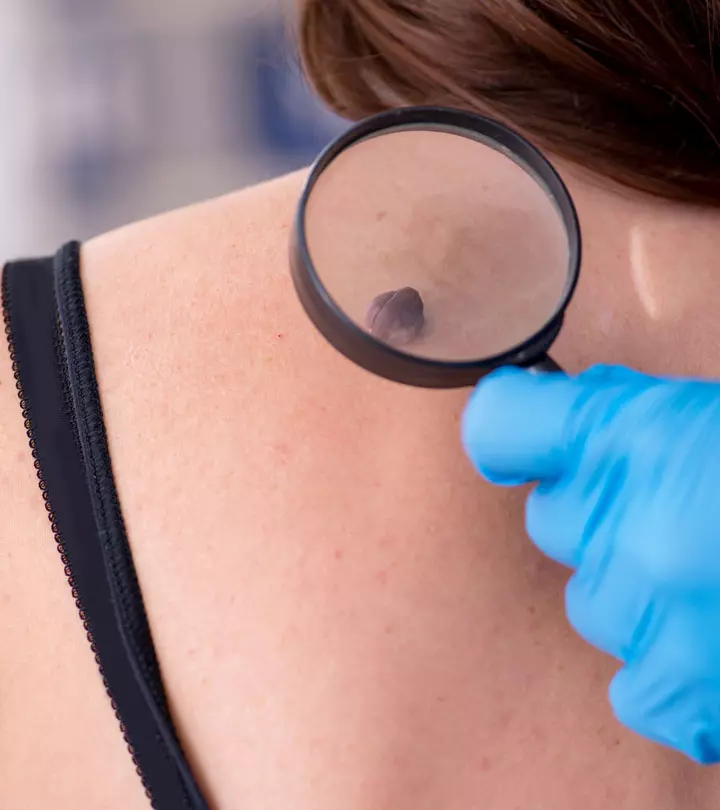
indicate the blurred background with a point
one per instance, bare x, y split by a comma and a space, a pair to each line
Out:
119, 109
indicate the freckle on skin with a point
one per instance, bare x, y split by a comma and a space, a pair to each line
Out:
282, 449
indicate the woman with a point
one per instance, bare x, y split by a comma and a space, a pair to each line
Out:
343, 614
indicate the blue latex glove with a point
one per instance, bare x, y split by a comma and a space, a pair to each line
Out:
628, 495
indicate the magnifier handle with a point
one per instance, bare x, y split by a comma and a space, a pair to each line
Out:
545, 365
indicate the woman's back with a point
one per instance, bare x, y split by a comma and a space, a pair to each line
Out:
344, 615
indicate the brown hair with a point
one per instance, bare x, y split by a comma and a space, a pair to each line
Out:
627, 88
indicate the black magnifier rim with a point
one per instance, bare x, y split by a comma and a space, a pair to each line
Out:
377, 357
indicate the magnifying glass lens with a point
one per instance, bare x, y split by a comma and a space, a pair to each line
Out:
438, 243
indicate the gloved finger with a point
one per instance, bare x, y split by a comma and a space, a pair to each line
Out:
514, 427
670, 693
667, 708
614, 375
520, 427
581, 524
562, 518
610, 605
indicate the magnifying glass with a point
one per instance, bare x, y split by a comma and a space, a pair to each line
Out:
431, 246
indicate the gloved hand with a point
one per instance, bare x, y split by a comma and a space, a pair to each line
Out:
628, 495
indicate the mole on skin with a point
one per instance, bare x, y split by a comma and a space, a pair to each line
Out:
396, 317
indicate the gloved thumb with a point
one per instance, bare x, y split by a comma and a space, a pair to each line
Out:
516, 426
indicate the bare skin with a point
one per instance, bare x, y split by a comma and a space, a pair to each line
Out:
345, 615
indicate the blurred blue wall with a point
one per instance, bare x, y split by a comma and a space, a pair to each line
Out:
119, 109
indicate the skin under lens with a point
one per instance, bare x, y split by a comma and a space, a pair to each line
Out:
443, 221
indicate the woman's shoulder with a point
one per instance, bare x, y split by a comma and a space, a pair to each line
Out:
253, 221
171, 289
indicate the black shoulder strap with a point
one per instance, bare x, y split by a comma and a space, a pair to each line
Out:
49, 340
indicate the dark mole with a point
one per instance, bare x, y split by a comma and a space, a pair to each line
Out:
396, 317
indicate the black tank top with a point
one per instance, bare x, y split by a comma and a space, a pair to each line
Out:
49, 340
